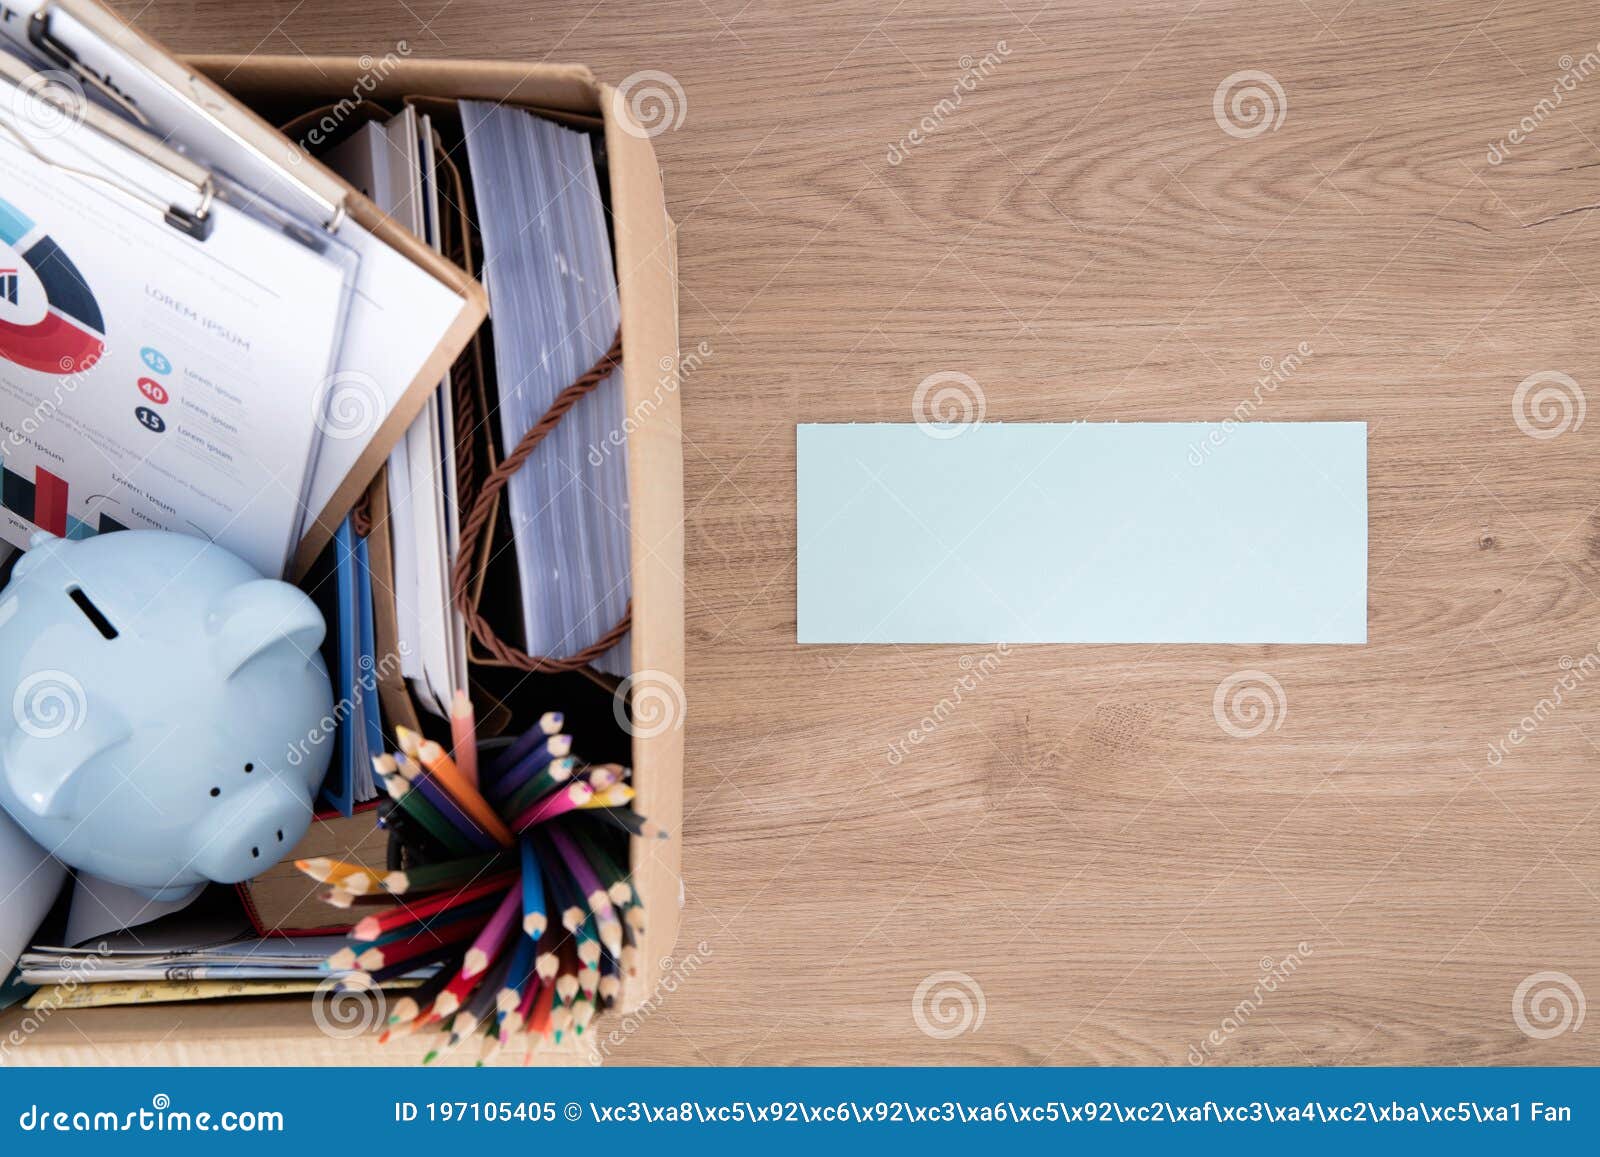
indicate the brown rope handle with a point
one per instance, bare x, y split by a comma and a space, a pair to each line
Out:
476, 524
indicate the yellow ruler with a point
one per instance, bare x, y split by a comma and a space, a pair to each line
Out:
108, 993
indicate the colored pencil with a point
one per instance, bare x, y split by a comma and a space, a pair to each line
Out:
353, 878
423, 943
468, 825
464, 737
630, 821
550, 723
415, 805
534, 921
439, 764
473, 909
553, 747
619, 886
562, 888
555, 804
553, 776
448, 874
617, 795
411, 1005
371, 927
519, 977
547, 956
605, 916
539, 1016
481, 1004
494, 934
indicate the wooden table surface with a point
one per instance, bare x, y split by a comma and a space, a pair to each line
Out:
1086, 224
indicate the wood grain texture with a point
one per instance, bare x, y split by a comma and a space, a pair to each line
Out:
1077, 834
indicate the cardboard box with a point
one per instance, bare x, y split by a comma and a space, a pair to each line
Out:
283, 1031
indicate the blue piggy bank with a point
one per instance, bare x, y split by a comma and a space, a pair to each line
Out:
157, 685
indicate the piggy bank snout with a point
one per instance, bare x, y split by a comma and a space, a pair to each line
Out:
248, 833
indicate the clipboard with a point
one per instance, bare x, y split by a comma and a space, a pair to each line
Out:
152, 87
241, 294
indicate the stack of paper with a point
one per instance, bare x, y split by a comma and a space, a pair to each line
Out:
149, 955
393, 164
553, 295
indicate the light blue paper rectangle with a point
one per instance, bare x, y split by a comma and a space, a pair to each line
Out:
1144, 532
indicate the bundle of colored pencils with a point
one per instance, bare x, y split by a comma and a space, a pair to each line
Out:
511, 884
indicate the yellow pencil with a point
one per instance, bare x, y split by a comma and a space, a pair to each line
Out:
352, 878
612, 797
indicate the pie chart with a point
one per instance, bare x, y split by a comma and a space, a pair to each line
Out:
49, 319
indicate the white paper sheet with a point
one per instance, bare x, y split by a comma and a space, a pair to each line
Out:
148, 377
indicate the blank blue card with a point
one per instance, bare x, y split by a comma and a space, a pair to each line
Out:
1143, 532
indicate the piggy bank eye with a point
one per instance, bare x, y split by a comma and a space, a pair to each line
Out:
216, 791
249, 767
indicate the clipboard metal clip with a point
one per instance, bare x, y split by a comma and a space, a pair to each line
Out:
64, 58
196, 222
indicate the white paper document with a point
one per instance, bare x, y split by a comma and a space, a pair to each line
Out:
149, 378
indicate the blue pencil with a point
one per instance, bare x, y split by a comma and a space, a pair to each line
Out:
533, 917
549, 724
553, 747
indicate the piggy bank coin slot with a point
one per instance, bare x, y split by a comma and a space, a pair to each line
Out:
92, 612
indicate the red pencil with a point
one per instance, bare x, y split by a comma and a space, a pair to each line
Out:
372, 927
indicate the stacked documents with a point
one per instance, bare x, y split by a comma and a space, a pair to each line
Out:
553, 296
126, 958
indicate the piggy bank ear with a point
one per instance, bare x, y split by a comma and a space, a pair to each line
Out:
41, 545
45, 754
256, 616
